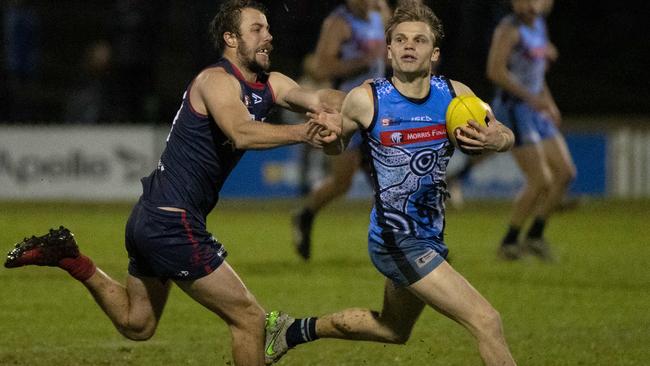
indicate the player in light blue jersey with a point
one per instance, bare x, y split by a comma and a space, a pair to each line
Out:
402, 120
350, 49
517, 64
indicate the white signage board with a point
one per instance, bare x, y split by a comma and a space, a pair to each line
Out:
75, 162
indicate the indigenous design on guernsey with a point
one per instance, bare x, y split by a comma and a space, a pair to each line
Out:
527, 61
409, 151
198, 156
367, 35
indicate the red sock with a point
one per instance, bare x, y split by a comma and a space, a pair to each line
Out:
81, 268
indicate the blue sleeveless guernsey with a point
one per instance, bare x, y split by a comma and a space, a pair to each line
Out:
199, 157
409, 151
527, 61
367, 34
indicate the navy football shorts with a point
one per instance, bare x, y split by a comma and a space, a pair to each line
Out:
407, 259
170, 245
528, 125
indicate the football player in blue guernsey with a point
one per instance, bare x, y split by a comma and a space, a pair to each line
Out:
350, 49
517, 64
402, 120
220, 116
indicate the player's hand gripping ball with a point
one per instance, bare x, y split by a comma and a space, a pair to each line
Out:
463, 108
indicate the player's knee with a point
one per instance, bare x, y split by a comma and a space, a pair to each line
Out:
568, 175
256, 314
397, 336
138, 332
342, 183
394, 333
541, 184
488, 322
250, 315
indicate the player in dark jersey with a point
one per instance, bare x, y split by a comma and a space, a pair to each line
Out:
221, 115
402, 120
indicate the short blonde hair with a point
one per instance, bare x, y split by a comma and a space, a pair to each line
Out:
415, 12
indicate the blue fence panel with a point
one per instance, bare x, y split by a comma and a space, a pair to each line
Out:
275, 173
589, 152
265, 174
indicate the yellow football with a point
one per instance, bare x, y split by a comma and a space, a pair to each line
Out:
463, 108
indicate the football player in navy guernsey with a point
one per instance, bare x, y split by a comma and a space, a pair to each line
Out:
221, 115
402, 120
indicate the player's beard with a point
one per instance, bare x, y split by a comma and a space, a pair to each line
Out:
247, 56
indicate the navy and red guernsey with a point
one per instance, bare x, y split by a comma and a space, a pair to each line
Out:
198, 156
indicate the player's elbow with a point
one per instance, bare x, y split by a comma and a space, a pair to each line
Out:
241, 142
491, 74
496, 72
241, 139
321, 73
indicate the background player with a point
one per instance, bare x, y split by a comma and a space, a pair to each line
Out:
517, 63
350, 49
403, 124
220, 116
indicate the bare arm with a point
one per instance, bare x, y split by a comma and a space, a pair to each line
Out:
334, 32
552, 110
504, 40
290, 95
357, 112
384, 9
477, 138
547, 7
217, 93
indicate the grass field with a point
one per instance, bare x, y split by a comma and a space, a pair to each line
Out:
592, 307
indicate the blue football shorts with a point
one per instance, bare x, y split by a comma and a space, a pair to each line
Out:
406, 259
170, 245
528, 125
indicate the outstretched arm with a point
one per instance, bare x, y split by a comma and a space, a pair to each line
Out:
357, 113
217, 93
290, 95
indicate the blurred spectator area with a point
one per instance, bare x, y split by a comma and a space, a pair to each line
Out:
157, 46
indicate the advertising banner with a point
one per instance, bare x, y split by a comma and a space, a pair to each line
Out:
74, 162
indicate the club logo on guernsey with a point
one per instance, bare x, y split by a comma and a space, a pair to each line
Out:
256, 98
414, 135
386, 121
